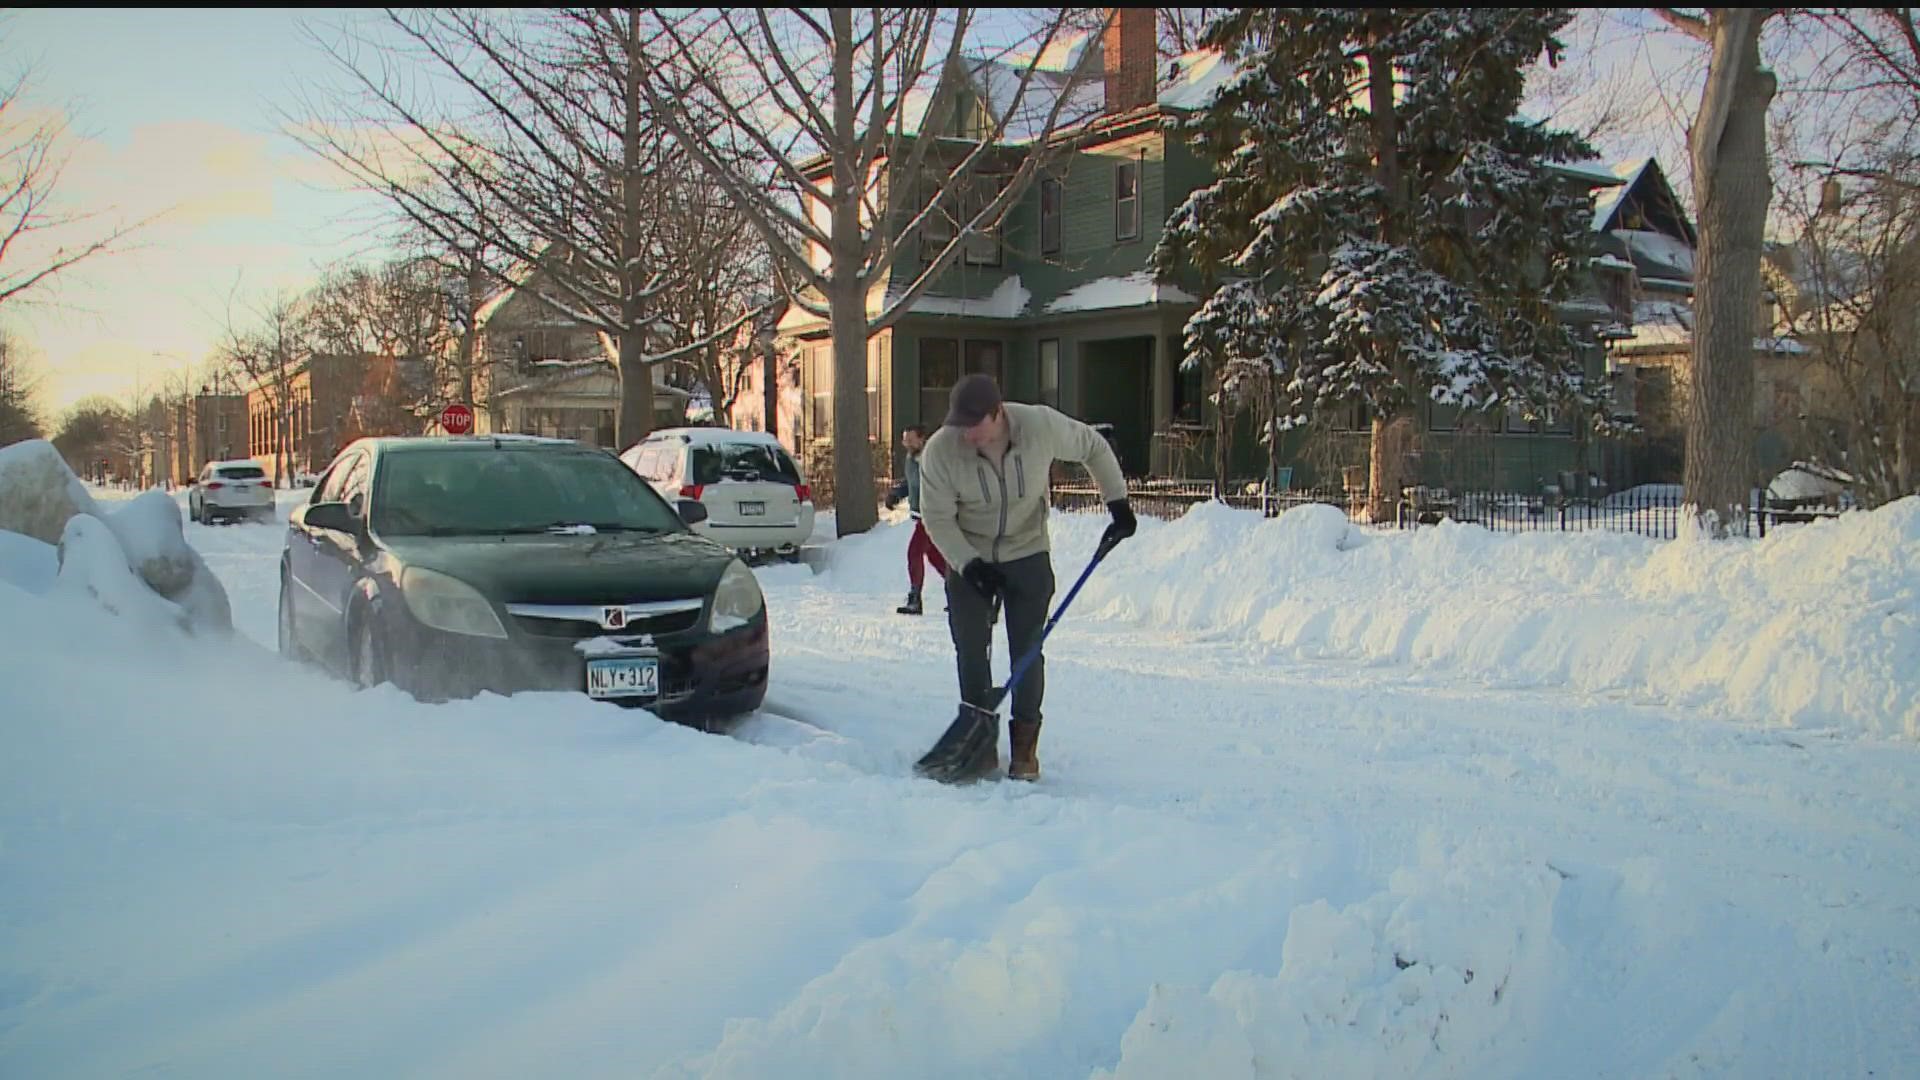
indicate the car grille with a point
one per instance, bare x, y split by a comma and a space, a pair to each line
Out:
577, 623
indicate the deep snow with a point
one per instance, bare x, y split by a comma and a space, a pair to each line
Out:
1319, 802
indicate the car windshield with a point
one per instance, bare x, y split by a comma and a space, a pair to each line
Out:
476, 492
715, 462
242, 472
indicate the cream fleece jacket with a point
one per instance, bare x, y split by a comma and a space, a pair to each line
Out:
975, 508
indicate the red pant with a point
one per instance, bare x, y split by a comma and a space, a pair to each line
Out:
921, 546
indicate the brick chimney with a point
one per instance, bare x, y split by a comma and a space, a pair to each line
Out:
1131, 59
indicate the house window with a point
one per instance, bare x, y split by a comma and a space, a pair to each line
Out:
983, 358
1349, 416
1050, 216
939, 370
1050, 372
1189, 390
878, 347
1517, 422
983, 244
820, 380
936, 229
1443, 417
1126, 200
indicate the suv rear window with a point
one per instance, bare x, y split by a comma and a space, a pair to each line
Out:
242, 472
743, 461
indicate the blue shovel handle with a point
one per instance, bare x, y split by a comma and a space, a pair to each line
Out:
1026, 661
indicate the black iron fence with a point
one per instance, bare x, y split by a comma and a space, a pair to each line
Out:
1655, 510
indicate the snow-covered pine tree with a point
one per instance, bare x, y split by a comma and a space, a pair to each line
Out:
1383, 227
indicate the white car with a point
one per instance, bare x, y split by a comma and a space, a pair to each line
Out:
757, 501
230, 489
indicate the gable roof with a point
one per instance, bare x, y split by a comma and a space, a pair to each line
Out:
1644, 193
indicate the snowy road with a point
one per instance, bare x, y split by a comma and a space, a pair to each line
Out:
1252, 855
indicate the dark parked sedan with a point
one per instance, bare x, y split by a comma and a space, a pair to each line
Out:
449, 566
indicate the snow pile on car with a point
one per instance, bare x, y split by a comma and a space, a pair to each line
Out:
133, 562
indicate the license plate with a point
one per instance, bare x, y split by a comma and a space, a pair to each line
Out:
753, 509
624, 677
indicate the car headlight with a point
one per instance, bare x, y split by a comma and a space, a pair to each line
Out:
737, 600
447, 603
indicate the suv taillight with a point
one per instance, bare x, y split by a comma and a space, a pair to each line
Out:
691, 491
215, 485
803, 492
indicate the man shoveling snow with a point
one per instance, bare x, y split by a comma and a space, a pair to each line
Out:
983, 495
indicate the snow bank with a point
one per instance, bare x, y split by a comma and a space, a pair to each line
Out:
133, 560
93, 568
38, 492
1813, 627
26, 563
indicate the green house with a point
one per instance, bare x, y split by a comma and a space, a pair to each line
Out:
1058, 302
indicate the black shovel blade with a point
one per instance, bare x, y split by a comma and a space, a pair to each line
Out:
967, 750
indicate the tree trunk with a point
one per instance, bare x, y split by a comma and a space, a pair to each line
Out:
470, 330
1732, 189
1388, 442
635, 418
855, 509
770, 390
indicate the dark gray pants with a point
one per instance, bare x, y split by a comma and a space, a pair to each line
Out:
1028, 594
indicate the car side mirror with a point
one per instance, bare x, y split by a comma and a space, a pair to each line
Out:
692, 512
334, 517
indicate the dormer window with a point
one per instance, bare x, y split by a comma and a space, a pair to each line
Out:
1126, 201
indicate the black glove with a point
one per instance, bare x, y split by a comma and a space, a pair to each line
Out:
986, 578
1123, 524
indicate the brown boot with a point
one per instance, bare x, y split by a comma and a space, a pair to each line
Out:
1025, 762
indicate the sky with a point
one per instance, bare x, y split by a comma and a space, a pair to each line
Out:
175, 114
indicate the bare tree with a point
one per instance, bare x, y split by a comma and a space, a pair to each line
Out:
725, 270
1732, 188
390, 338
1181, 29
20, 416
811, 125
544, 153
32, 162
268, 355
95, 427
1849, 284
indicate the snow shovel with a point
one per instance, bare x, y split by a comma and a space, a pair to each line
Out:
961, 753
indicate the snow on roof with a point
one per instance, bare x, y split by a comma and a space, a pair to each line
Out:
1007, 301
1659, 249
1191, 80
1598, 172
1804, 480
1133, 290
1629, 173
998, 84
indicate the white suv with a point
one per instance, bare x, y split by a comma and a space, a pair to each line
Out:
231, 489
757, 502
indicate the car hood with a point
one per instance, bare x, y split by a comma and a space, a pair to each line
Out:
593, 569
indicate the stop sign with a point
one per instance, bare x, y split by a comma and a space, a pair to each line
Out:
456, 419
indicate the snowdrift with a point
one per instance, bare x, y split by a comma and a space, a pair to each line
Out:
133, 562
1816, 627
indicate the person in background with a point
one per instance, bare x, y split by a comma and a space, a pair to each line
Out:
920, 549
